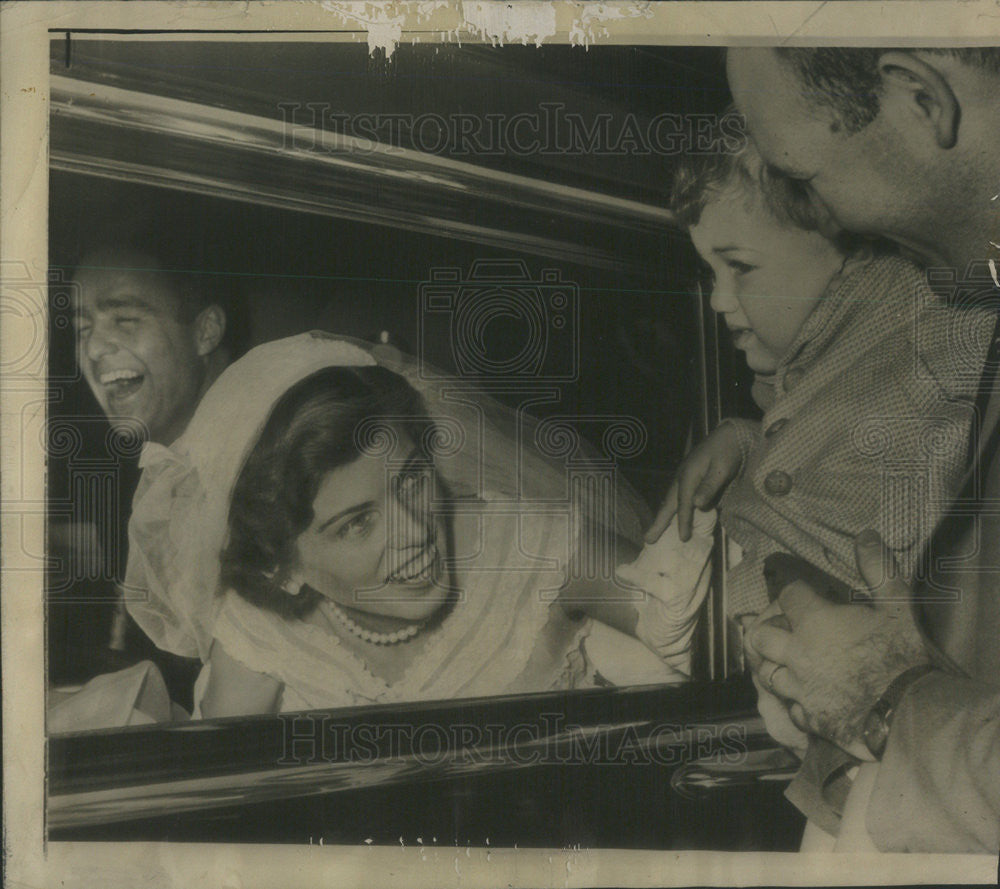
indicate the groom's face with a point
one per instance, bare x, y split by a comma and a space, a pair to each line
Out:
864, 182
140, 357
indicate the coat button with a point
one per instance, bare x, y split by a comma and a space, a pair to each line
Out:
778, 483
792, 378
775, 427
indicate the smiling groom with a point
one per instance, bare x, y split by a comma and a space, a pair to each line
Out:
151, 339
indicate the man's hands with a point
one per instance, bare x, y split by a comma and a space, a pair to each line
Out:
778, 722
774, 709
705, 472
835, 661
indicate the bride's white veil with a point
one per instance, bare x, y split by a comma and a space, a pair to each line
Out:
481, 448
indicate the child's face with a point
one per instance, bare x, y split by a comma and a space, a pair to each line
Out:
768, 276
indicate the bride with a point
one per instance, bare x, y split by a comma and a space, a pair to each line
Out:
320, 537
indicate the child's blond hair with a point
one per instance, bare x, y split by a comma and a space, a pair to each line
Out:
737, 167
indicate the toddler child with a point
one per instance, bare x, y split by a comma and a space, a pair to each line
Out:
865, 377
866, 381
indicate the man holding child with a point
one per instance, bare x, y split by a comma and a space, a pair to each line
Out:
901, 144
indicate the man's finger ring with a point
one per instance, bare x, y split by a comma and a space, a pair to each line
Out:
768, 678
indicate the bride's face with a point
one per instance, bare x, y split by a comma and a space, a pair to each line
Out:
374, 544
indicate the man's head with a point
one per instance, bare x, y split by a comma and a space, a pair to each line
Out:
150, 340
891, 142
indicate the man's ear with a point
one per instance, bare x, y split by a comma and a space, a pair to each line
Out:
209, 328
925, 92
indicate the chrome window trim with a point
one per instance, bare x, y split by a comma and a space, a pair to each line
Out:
140, 137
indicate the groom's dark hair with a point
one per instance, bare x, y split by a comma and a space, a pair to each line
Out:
183, 251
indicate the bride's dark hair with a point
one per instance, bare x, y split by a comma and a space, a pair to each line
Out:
313, 429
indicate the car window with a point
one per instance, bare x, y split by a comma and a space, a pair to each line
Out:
336, 193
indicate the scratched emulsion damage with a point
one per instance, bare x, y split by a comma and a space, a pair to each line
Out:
384, 22
526, 21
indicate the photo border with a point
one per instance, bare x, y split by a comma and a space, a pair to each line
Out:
25, 34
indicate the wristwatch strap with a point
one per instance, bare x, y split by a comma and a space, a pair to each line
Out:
880, 718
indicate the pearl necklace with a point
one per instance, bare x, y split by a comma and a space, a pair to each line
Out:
375, 638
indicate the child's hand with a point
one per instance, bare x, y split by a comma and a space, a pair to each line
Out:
674, 579
703, 475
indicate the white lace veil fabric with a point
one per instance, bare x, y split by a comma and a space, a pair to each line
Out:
180, 514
